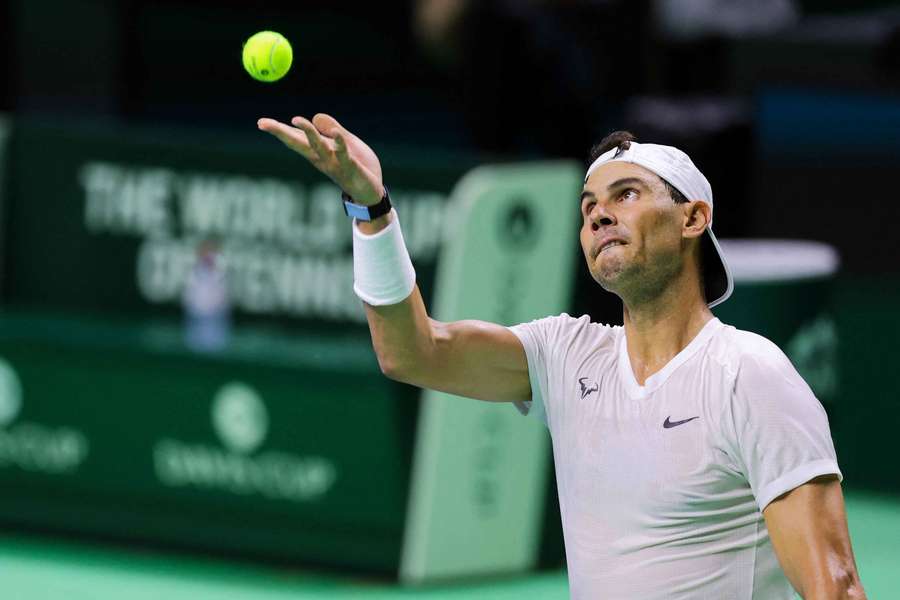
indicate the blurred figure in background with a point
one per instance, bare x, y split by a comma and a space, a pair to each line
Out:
207, 310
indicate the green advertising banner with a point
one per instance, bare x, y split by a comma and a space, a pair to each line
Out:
284, 440
295, 450
113, 218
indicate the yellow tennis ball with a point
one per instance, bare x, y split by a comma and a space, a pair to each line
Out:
267, 56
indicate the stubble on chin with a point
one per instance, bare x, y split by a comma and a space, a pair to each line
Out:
608, 272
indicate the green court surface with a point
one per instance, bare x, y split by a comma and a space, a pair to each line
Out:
42, 568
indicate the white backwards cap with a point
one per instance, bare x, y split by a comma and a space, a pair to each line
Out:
676, 168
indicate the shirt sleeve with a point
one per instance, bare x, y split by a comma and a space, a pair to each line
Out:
545, 341
532, 337
779, 430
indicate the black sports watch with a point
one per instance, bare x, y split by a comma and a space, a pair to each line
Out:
366, 213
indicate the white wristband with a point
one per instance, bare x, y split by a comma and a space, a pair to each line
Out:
382, 270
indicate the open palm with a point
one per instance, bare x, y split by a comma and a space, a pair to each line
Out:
334, 151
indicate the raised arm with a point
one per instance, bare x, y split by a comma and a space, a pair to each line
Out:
468, 358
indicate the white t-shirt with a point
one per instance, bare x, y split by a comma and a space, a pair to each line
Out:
661, 486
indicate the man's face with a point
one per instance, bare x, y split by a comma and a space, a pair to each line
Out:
631, 230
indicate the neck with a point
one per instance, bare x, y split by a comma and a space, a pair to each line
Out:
658, 328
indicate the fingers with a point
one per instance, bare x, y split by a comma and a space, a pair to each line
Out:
312, 134
291, 137
322, 141
340, 147
328, 125
278, 128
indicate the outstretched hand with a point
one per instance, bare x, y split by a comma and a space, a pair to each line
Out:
334, 151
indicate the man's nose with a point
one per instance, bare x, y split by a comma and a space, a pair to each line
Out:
602, 216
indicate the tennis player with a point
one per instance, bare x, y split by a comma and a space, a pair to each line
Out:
692, 460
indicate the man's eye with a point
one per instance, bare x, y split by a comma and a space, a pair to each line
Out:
589, 207
628, 194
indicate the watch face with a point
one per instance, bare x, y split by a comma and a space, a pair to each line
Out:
366, 213
358, 212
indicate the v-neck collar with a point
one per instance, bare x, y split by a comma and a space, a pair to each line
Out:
655, 381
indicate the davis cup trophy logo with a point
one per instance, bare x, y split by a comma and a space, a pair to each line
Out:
31, 446
239, 417
10, 394
240, 465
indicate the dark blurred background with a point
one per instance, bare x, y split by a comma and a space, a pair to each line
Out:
741, 87
791, 108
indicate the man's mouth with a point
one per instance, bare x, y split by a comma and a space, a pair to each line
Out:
611, 244
606, 245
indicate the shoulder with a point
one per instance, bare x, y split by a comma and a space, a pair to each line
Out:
569, 330
748, 353
575, 325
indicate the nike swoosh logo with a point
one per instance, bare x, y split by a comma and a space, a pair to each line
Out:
670, 424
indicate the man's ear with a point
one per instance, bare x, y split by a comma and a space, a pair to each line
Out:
697, 215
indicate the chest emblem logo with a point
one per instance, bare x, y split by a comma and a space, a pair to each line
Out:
585, 390
670, 424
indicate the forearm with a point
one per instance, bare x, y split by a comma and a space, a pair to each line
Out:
402, 335
808, 529
401, 331
466, 358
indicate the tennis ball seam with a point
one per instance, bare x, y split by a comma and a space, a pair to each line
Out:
272, 68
